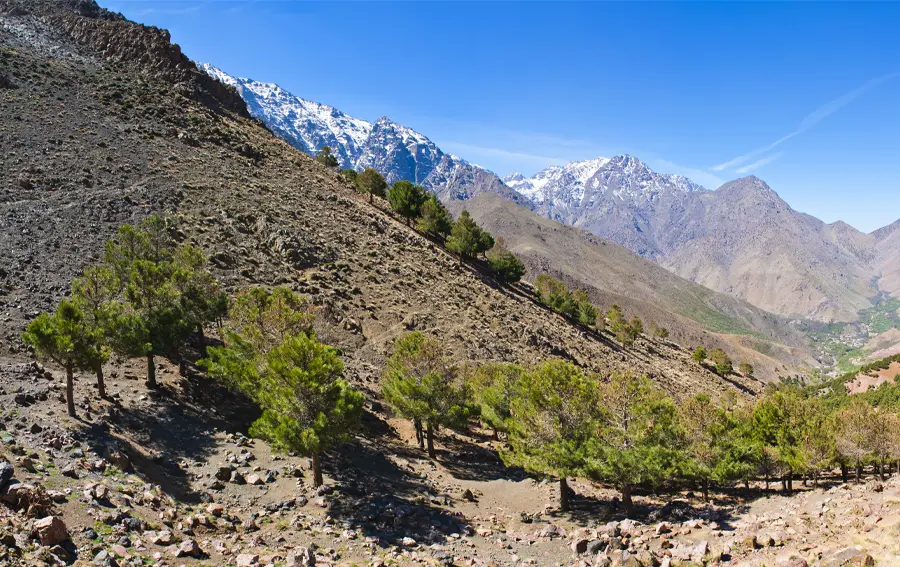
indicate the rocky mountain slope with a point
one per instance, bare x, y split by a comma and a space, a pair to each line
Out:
98, 139
742, 239
398, 152
612, 274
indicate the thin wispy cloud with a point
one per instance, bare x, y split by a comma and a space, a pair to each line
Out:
811, 120
759, 163
700, 176
533, 160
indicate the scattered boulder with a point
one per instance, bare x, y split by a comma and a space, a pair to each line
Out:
6, 474
849, 557
301, 557
50, 531
247, 560
118, 458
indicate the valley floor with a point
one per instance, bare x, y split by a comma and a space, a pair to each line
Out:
169, 478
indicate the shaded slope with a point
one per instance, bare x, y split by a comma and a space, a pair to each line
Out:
612, 274
99, 141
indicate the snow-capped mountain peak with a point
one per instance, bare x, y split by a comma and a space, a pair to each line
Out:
307, 125
396, 151
580, 183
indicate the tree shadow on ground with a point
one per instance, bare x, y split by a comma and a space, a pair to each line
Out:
588, 510
176, 422
467, 460
383, 498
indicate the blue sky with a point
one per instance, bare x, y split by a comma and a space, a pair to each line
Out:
806, 96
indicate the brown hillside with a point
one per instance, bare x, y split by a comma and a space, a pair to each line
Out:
95, 139
612, 274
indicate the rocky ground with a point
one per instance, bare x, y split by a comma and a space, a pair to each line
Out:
168, 478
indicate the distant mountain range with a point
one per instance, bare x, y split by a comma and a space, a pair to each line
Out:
741, 239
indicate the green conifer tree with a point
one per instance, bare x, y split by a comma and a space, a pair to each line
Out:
65, 338
420, 384
553, 422
407, 199
638, 439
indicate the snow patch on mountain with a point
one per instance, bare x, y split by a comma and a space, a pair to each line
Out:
580, 183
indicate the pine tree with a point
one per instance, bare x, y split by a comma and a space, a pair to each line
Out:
746, 369
157, 325
638, 440
94, 294
306, 405
421, 385
467, 239
659, 332
555, 294
506, 266
265, 318
406, 199
493, 388
722, 361
371, 182
201, 299
553, 421
626, 332
699, 355
164, 290
718, 447
779, 423
434, 219
350, 174
852, 439
326, 158
65, 338
585, 311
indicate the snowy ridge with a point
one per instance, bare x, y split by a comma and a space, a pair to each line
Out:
305, 124
396, 151
581, 183
401, 153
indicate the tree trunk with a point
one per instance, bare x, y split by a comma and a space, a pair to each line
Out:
843, 472
564, 504
70, 389
202, 340
767, 481
317, 471
151, 372
101, 385
858, 472
790, 481
881, 469
747, 483
429, 435
627, 501
496, 434
706, 490
371, 197
420, 435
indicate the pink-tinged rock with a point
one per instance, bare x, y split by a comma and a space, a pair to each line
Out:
50, 531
